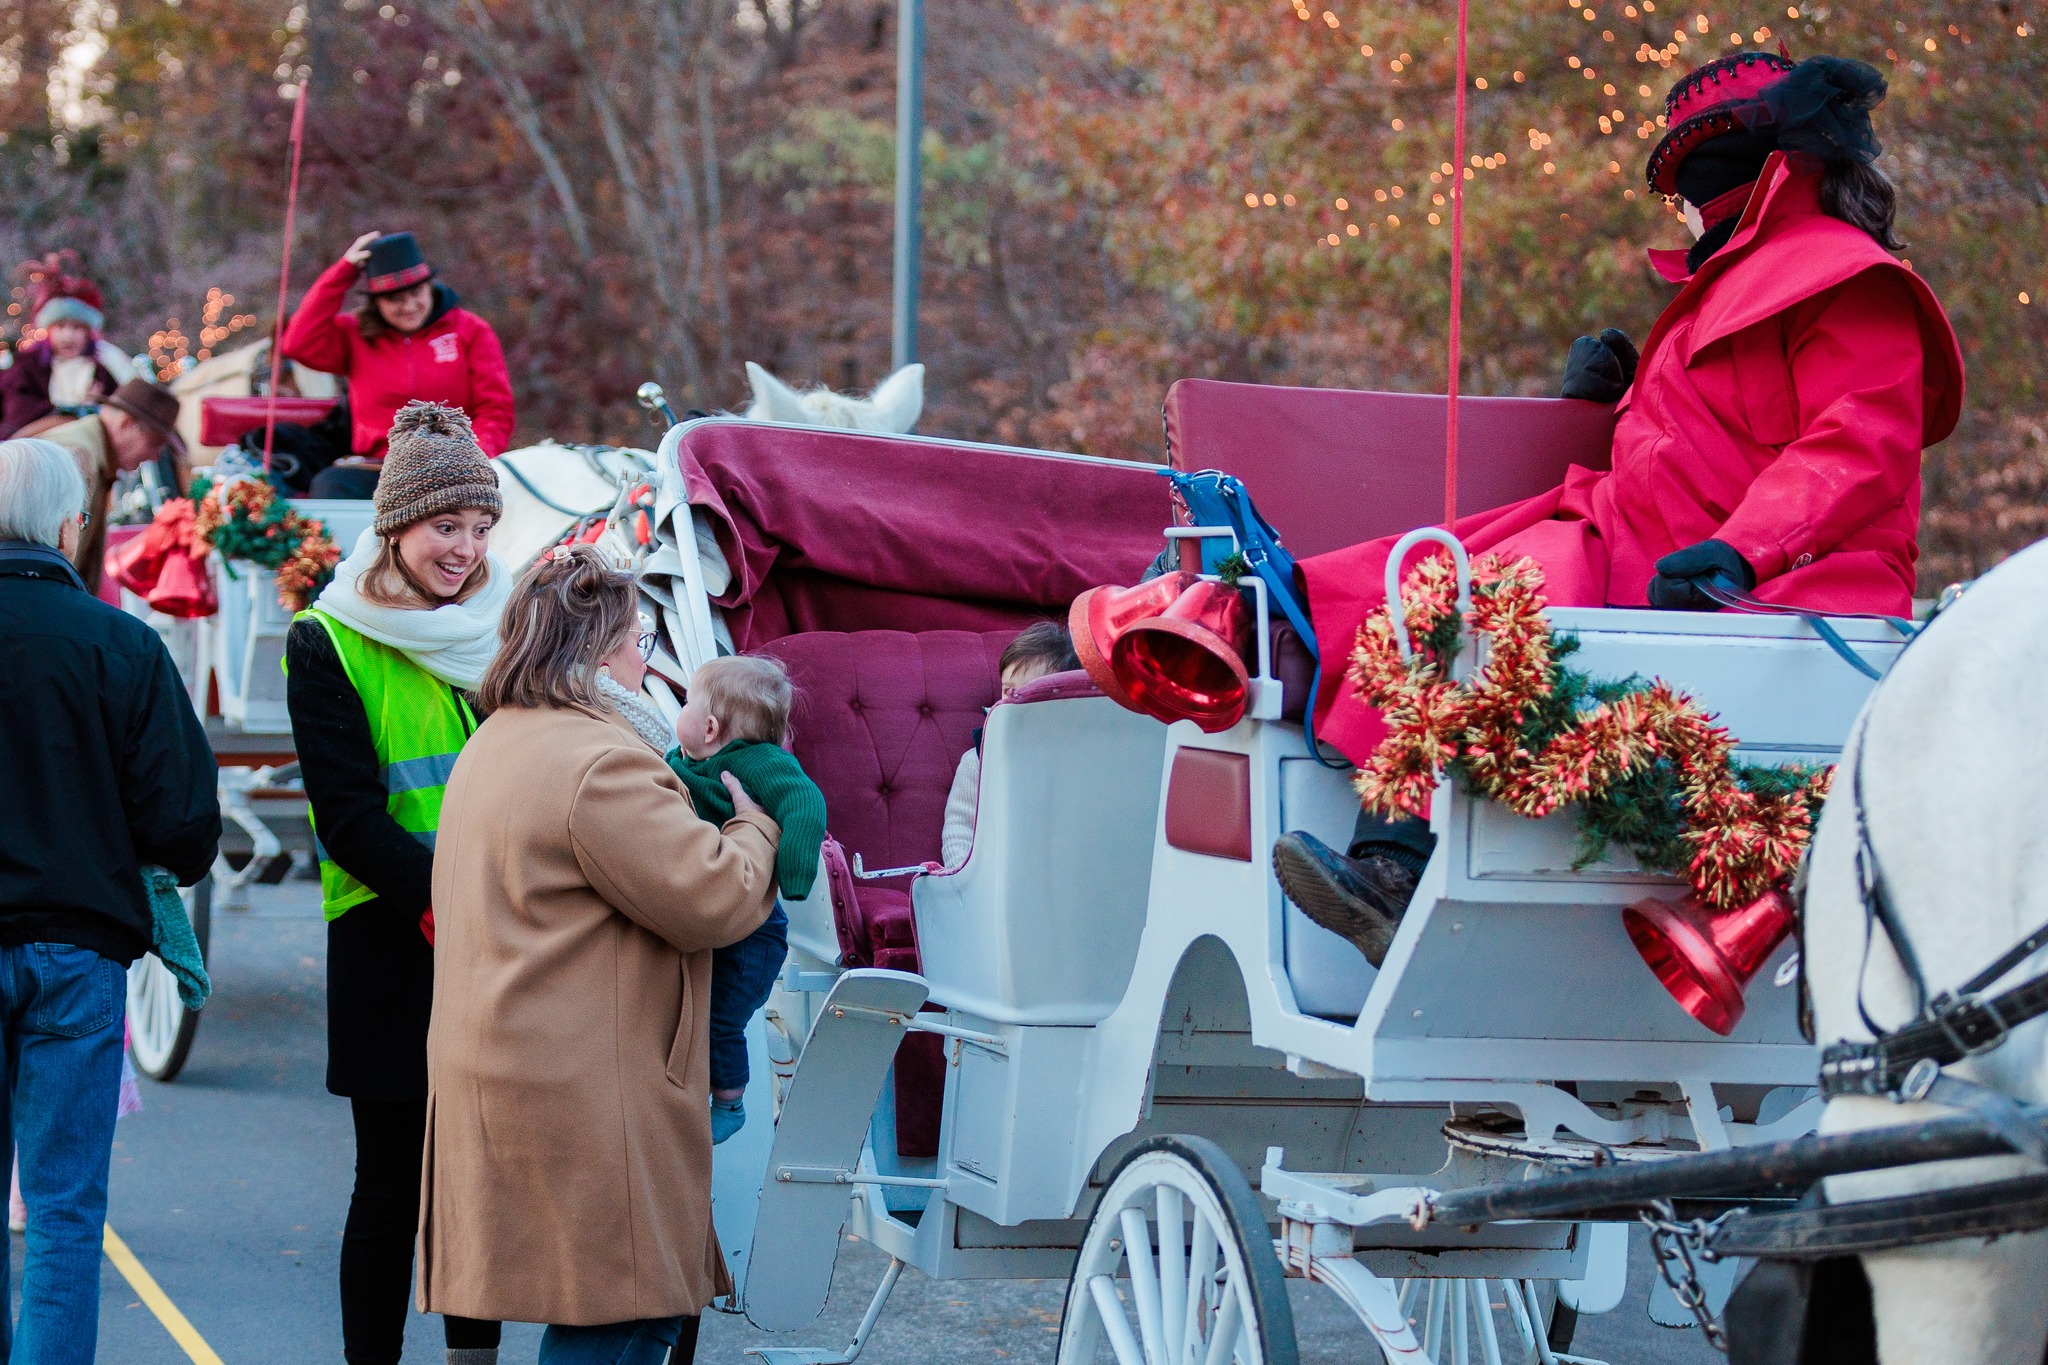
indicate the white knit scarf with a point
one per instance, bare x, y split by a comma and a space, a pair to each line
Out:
455, 641
638, 711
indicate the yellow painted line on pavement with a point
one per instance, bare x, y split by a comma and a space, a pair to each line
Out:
159, 1302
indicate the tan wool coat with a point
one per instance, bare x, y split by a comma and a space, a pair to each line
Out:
577, 898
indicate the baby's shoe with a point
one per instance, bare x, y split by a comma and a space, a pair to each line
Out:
727, 1118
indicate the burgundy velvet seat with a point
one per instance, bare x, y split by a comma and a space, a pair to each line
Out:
881, 719
1333, 467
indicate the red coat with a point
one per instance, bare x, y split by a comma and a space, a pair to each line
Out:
1781, 405
455, 359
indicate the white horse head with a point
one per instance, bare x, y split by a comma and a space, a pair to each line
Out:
1954, 755
892, 409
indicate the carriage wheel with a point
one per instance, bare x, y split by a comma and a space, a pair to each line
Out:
160, 1028
1201, 1283
1461, 1321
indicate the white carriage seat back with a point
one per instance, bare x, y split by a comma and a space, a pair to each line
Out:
1041, 924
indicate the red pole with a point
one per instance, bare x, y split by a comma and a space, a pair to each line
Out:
1458, 173
284, 274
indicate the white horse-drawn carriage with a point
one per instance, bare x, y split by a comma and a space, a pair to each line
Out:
1105, 1047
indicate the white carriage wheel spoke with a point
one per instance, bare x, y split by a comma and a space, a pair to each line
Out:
1201, 1272
1512, 1290
1229, 1322
1110, 1309
1433, 1331
1539, 1328
144, 1004
167, 1001
1482, 1317
1461, 1294
1173, 1276
1144, 1282
166, 987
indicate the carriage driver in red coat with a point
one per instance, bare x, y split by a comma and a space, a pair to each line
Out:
1769, 441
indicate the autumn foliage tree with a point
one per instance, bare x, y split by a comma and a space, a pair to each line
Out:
1118, 193
1273, 177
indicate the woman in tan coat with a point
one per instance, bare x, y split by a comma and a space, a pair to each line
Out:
577, 900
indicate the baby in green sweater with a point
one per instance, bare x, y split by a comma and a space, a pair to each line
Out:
734, 721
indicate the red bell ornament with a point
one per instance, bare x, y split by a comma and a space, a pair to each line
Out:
1706, 958
1187, 663
1100, 616
183, 589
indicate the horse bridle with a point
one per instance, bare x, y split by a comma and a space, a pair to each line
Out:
1907, 1064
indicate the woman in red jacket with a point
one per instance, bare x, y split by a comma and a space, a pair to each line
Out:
409, 340
1770, 440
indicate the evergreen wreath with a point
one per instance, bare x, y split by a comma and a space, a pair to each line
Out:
1645, 766
247, 518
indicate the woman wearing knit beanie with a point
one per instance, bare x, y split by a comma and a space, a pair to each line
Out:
378, 675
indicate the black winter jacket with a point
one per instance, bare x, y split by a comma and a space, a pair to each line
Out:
103, 765
380, 970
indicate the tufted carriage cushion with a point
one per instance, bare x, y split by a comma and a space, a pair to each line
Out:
880, 722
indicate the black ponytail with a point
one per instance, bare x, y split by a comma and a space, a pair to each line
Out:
1862, 196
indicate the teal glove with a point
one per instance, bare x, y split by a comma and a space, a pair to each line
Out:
172, 939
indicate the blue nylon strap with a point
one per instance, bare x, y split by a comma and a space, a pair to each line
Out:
1720, 589
1214, 498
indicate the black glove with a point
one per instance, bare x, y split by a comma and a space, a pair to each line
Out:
1680, 573
1600, 368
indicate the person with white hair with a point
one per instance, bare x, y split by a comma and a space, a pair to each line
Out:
107, 770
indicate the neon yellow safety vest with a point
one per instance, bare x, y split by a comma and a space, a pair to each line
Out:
418, 724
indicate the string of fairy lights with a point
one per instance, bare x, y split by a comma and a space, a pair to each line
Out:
1692, 39
170, 351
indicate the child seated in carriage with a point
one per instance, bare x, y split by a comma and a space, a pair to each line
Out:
734, 721
1037, 652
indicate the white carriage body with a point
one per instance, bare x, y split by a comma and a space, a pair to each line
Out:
1115, 960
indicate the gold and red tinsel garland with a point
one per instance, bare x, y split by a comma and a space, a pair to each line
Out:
1737, 837
246, 518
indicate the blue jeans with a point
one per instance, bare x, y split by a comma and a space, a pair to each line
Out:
61, 1010
621, 1343
741, 977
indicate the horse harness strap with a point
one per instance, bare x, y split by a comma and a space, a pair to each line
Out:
1905, 1064
1987, 1210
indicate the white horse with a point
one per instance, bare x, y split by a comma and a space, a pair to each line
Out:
892, 409
1955, 791
548, 489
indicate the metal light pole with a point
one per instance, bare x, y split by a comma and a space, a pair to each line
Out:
909, 177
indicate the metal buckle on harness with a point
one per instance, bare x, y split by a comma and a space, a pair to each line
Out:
1946, 1008
1920, 1078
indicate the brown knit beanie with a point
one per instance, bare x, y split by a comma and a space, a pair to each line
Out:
432, 465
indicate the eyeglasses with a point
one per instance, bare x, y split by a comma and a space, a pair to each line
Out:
648, 639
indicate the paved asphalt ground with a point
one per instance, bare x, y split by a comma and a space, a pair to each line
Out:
231, 1186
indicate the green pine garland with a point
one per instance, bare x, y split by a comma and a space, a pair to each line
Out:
1643, 812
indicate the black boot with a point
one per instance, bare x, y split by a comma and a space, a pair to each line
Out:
1358, 899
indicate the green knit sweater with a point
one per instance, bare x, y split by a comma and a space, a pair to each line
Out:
773, 777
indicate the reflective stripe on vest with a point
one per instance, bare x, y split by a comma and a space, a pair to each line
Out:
418, 725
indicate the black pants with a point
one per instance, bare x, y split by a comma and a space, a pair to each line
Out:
344, 481
1403, 838
377, 1242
